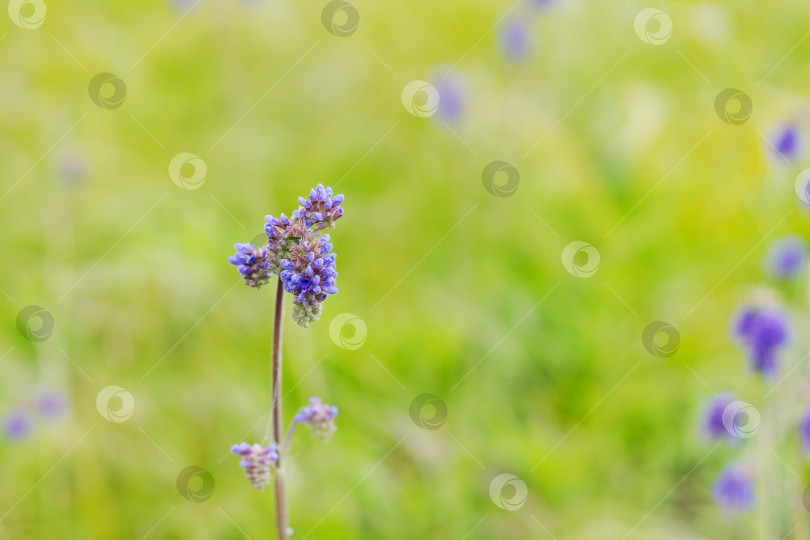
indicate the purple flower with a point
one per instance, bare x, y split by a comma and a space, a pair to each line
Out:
515, 40
258, 462
452, 90
733, 489
786, 142
252, 263
321, 210
786, 257
804, 431
309, 273
713, 425
299, 252
52, 404
762, 331
17, 424
319, 416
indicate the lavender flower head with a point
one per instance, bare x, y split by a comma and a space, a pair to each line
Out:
319, 416
298, 252
258, 462
787, 257
762, 330
713, 426
252, 263
733, 489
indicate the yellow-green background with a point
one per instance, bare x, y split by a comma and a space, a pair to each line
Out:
616, 116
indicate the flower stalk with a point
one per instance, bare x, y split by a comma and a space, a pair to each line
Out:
281, 501
300, 255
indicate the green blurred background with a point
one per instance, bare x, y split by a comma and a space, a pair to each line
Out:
464, 294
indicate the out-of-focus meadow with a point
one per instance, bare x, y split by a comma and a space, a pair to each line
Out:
612, 134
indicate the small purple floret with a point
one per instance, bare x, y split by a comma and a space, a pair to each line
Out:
257, 461
319, 416
252, 264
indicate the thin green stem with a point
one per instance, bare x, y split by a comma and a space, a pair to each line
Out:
281, 503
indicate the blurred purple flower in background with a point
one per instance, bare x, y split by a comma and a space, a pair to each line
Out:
257, 461
762, 331
804, 431
72, 170
452, 90
319, 416
52, 404
786, 142
713, 425
733, 489
515, 40
17, 424
786, 257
